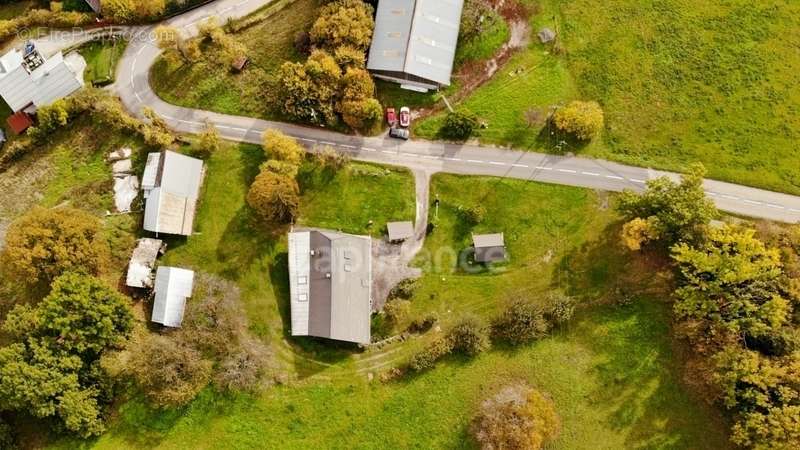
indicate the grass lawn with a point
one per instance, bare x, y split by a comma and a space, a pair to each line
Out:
348, 200
612, 373
101, 60
269, 36
711, 83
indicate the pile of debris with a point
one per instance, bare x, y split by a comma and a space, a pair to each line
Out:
126, 185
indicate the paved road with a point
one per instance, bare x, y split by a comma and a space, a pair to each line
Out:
134, 89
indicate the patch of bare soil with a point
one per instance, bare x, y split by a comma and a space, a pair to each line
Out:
21, 186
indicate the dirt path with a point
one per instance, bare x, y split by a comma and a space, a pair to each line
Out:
391, 261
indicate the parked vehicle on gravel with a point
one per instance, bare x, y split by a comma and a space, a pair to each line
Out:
405, 117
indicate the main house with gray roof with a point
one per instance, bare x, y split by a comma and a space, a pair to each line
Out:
330, 279
415, 41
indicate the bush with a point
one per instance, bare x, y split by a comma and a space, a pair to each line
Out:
459, 125
584, 120
45, 243
283, 148
427, 358
473, 215
522, 322
170, 374
516, 418
397, 309
560, 308
274, 197
328, 158
469, 337
130, 11
208, 142
363, 115
405, 289
423, 325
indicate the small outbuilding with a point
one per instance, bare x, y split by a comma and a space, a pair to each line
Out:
400, 231
546, 35
489, 247
19, 122
143, 261
173, 287
171, 184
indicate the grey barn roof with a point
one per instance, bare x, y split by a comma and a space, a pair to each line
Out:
399, 231
417, 38
489, 247
330, 279
173, 287
171, 204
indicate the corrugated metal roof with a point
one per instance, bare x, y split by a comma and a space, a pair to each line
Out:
142, 263
54, 80
418, 38
330, 289
173, 286
488, 240
150, 176
400, 230
172, 204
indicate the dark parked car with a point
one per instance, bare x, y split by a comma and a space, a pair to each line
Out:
399, 133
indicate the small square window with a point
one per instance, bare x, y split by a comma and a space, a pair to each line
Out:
302, 297
302, 280
348, 268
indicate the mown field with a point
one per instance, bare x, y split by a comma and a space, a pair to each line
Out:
613, 372
679, 81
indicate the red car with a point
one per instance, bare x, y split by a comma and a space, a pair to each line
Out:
391, 116
405, 117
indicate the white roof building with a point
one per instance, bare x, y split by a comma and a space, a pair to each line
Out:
172, 187
28, 79
414, 42
330, 279
143, 260
173, 287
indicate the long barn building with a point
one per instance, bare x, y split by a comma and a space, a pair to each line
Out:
415, 41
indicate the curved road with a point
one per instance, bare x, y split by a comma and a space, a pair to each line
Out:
133, 87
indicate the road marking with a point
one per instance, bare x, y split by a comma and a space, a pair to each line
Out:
387, 152
591, 174
636, 180
139, 98
368, 149
794, 210
520, 165
614, 177
475, 161
328, 143
307, 140
713, 194
730, 197
543, 168
408, 154
752, 202
567, 170
495, 163
452, 159
430, 157
347, 146
771, 205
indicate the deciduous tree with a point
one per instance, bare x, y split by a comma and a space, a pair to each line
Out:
677, 211
274, 197
45, 243
344, 23
516, 418
584, 120
283, 148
